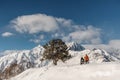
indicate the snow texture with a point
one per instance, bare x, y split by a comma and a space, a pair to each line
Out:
75, 46
21, 57
102, 65
102, 71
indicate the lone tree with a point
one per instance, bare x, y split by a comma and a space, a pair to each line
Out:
56, 50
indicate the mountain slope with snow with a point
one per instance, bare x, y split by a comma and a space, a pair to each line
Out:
15, 62
21, 57
96, 56
72, 70
102, 71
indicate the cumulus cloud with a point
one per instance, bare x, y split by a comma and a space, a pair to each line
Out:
7, 34
64, 22
49, 27
38, 39
112, 45
41, 23
34, 23
55, 27
88, 35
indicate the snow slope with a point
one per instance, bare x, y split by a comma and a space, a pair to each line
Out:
96, 56
101, 67
101, 71
33, 56
31, 59
21, 57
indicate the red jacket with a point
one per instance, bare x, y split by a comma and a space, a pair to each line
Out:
86, 58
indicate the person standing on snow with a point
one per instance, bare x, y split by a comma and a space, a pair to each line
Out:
86, 59
82, 60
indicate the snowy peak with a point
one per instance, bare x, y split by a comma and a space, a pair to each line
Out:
18, 61
95, 56
39, 47
100, 55
38, 50
75, 46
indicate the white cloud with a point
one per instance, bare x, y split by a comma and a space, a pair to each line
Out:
7, 34
113, 44
34, 23
38, 39
64, 22
55, 27
58, 35
88, 35
35, 40
40, 22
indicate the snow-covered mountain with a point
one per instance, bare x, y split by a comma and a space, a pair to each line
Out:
72, 70
75, 46
95, 56
15, 62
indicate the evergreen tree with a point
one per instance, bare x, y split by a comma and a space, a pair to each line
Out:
56, 49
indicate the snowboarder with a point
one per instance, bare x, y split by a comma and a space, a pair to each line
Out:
86, 59
82, 60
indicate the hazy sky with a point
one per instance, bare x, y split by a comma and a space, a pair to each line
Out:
27, 23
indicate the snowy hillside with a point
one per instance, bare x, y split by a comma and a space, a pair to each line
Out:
96, 68
114, 51
103, 71
15, 62
20, 56
96, 56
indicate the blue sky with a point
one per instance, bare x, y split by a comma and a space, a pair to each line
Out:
27, 23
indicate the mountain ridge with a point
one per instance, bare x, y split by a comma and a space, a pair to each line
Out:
19, 61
